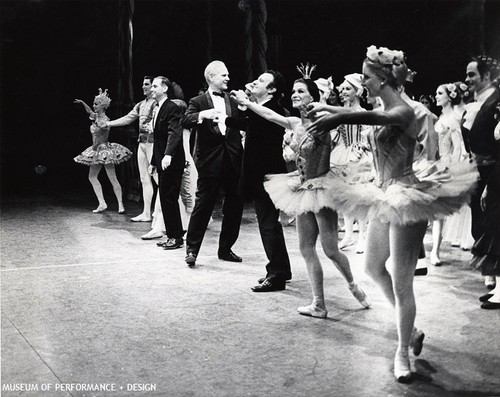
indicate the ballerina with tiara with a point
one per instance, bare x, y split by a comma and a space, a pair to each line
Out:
102, 153
303, 193
397, 204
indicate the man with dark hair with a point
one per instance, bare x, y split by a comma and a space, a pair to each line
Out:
478, 124
143, 111
263, 155
168, 158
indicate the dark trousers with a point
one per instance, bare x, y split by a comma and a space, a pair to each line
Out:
169, 188
272, 237
478, 216
207, 192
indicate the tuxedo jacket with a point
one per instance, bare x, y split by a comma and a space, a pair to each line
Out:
263, 147
213, 151
168, 136
480, 139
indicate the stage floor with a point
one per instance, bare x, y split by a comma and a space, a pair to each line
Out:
87, 304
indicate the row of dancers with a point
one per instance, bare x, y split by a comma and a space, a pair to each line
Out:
395, 190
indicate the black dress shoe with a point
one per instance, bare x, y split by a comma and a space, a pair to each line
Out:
173, 243
229, 256
191, 259
261, 280
269, 286
485, 297
490, 305
421, 271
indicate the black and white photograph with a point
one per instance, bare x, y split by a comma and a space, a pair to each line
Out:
250, 198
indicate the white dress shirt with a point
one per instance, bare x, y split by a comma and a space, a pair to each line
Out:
220, 105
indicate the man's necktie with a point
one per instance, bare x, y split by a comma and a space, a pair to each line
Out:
221, 94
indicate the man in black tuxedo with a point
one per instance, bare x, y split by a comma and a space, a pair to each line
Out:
217, 156
168, 159
263, 155
478, 125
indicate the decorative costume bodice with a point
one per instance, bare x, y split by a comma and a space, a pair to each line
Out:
99, 134
446, 128
313, 157
392, 155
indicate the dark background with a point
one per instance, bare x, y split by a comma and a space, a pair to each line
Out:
53, 51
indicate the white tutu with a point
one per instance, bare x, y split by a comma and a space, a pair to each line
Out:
332, 190
435, 191
432, 193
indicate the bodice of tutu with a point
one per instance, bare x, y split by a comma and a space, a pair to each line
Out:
446, 128
313, 157
99, 134
392, 155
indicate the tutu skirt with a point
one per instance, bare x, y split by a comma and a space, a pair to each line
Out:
106, 153
434, 191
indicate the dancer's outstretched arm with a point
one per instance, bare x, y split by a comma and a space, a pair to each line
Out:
271, 115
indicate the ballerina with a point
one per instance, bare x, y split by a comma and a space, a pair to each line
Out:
102, 153
351, 147
303, 193
451, 150
398, 205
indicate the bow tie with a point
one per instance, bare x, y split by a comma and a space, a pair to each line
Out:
221, 94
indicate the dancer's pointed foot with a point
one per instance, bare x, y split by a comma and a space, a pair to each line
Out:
360, 295
121, 209
313, 311
402, 369
100, 208
435, 260
141, 218
346, 242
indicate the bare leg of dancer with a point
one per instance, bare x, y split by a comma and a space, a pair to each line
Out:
437, 237
328, 221
96, 185
110, 171
348, 239
403, 242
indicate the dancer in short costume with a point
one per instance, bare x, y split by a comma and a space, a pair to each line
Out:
306, 189
102, 153
399, 203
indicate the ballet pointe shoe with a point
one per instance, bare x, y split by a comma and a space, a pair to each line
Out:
346, 242
360, 295
312, 311
435, 260
100, 208
141, 218
402, 369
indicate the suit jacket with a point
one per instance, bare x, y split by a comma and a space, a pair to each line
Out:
263, 147
479, 139
211, 147
168, 136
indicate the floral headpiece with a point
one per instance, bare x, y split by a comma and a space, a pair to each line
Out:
325, 84
452, 90
306, 70
103, 98
384, 56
